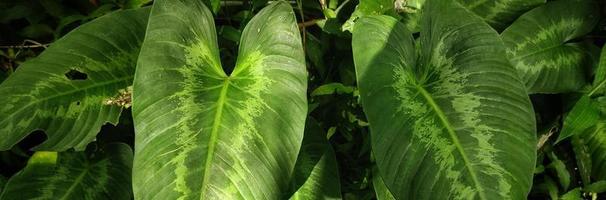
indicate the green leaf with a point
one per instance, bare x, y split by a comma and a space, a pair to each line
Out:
316, 175
560, 170
599, 83
574, 194
597, 187
369, 8
583, 115
583, 158
452, 122
105, 174
48, 93
332, 88
595, 138
500, 13
134, 3
540, 45
380, 189
548, 187
202, 133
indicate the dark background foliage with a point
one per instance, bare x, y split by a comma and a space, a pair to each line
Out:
27, 27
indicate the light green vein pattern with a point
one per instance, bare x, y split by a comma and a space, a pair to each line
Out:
500, 13
38, 96
104, 174
204, 134
540, 45
453, 123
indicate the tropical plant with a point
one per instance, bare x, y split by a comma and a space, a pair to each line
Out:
304, 99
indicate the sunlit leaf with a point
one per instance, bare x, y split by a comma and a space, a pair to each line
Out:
66, 91
203, 133
451, 119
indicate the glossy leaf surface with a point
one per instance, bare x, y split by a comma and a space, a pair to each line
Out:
204, 134
453, 122
541, 45
66, 91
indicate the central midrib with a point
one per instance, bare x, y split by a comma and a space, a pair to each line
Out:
76, 182
214, 135
453, 136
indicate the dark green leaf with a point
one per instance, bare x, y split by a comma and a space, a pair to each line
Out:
66, 90
316, 173
499, 13
583, 158
540, 45
583, 115
560, 170
595, 138
574, 194
597, 187
105, 174
451, 120
332, 88
599, 83
380, 189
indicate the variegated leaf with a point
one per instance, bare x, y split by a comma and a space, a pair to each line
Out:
204, 134
595, 139
500, 13
540, 45
450, 120
70, 90
105, 174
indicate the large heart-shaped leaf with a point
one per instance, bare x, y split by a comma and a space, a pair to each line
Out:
451, 121
540, 45
316, 174
104, 174
201, 133
70, 90
499, 13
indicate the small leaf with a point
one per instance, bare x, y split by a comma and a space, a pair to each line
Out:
583, 115
574, 194
540, 45
230, 33
369, 8
597, 187
559, 168
583, 158
332, 88
106, 174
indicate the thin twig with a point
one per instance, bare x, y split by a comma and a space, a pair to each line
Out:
24, 46
308, 23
